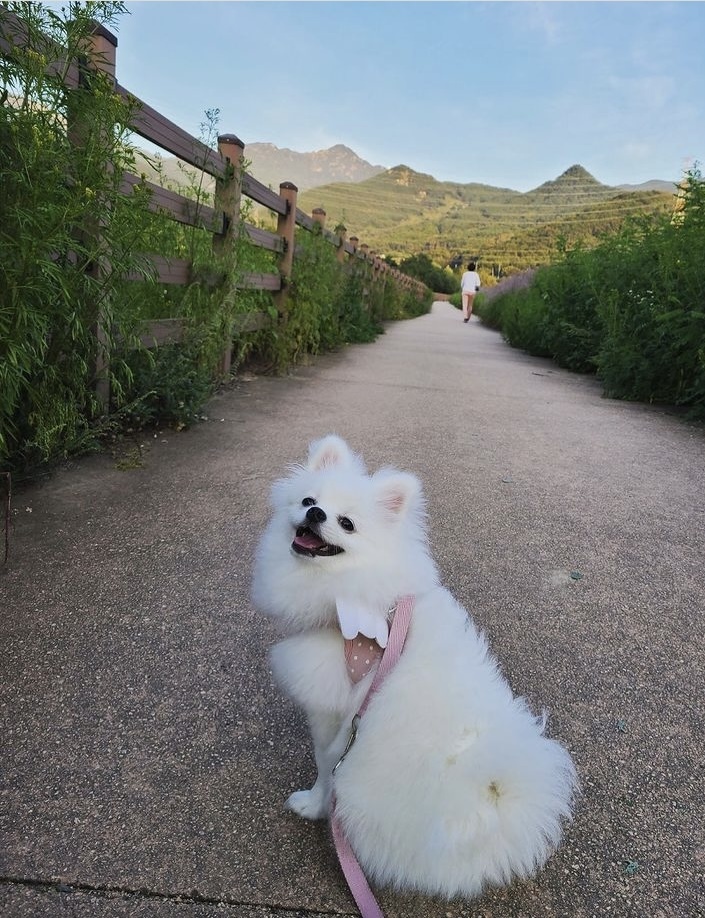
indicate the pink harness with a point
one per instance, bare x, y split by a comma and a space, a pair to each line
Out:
360, 660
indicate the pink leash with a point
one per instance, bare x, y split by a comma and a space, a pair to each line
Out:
359, 887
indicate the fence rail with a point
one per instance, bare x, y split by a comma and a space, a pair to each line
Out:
221, 220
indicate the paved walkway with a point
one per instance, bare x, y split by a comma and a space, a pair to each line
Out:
145, 757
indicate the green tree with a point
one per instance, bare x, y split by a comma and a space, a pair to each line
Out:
422, 268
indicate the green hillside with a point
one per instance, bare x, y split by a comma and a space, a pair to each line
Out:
401, 212
585, 225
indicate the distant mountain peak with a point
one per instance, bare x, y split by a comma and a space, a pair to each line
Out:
577, 172
405, 175
272, 165
575, 179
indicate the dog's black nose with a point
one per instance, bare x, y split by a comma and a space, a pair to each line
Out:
315, 515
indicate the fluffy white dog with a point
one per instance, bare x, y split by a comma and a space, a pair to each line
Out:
451, 784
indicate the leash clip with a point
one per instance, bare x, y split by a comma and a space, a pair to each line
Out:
351, 739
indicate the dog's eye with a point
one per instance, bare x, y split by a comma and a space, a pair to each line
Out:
346, 524
308, 501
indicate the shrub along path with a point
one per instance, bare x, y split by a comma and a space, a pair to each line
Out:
145, 757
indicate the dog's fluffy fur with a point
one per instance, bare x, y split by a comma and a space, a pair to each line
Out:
451, 784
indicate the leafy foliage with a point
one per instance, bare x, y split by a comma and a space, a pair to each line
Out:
167, 386
330, 304
420, 266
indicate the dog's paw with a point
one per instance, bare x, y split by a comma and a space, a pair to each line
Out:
307, 803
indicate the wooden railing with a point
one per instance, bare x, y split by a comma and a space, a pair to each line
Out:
222, 220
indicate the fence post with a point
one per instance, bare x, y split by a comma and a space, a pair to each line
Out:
384, 278
319, 216
100, 50
342, 234
366, 283
286, 227
228, 191
101, 47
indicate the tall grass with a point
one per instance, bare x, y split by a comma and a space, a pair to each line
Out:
631, 310
51, 190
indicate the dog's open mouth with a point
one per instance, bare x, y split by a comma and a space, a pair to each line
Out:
306, 542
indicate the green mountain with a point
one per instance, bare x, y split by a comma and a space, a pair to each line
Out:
400, 212
575, 185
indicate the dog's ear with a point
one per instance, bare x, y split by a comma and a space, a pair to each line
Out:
328, 452
398, 492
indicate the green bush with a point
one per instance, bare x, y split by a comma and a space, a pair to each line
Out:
420, 266
654, 343
358, 325
631, 310
563, 320
166, 386
330, 304
313, 303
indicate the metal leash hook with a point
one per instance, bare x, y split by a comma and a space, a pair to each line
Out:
351, 739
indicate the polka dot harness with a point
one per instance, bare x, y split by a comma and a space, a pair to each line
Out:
361, 655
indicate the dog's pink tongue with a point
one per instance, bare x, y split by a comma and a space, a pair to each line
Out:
308, 540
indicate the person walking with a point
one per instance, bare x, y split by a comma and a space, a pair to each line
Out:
469, 285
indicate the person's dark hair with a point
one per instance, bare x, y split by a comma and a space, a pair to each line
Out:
472, 266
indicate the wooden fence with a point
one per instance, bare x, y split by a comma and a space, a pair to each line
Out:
223, 219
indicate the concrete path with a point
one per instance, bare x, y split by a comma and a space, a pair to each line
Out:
145, 756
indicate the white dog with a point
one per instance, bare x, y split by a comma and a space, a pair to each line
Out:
450, 784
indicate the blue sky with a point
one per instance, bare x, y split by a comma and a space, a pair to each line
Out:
505, 93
